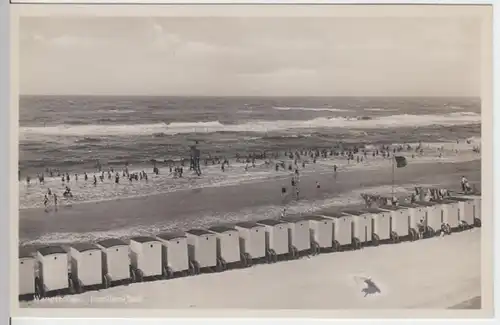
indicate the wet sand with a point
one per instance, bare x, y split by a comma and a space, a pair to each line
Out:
183, 207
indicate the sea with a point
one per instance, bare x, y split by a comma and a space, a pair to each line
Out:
72, 133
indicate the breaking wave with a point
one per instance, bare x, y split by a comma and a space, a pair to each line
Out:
163, 129
312, 109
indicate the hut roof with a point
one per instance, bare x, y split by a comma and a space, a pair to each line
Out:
24, 253
49, 250
143, 239
112, 242
460, 199
171, 235
198, 232
247, 224
332, 213
408, 205
373, 210
292, 219
426, 203
393, 207
355, 212
83, 247
271, 222
315, 218
221, 229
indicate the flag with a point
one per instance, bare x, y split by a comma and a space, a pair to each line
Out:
400, 161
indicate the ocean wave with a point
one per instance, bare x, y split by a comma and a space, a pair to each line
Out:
380, 109
403, 120
313, 109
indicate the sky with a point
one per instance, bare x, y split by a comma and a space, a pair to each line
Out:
254, 56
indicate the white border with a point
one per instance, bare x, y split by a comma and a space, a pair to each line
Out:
4, 143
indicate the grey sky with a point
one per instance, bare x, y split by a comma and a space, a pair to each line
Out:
251, 56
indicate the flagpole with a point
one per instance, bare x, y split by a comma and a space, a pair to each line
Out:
393, 167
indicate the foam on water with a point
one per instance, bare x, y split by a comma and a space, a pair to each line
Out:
311, 109
84, 191
402, 120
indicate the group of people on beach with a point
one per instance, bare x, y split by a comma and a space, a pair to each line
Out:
288, 160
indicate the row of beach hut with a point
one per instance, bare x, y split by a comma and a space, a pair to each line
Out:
55, 270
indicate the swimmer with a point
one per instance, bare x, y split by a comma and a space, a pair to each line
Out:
45, 201
86, 177
95, 180
55, 200
318, 185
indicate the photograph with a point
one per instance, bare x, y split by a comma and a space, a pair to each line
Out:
245, 161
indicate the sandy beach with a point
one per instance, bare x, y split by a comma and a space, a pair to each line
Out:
435, 273
185, 209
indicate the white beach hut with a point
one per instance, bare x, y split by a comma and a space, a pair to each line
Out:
86, 265
276, 238
466, 211
434, 219
145, 258
228, 246
26, 275
52, 271
115, 261
252, 241
321, 232
362, 226
299, 236
415, 214
476, 198
175, 253
342, 228
202, 249
450, 211
399, 222
381, 225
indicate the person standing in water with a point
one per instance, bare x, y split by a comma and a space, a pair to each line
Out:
55, 201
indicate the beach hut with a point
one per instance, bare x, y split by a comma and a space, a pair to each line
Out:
362, 227
434, 219
476, 199
380, 225
299, 237
26, 275
252, 238
450, 215
321, 232
399, 221
145, 258
115, 261
202, 249
415, 214
276, 238
465, 211
228, 246
342, 228
175, 256
86, 265
52, 271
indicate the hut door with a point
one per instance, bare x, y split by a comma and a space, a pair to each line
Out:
366, 234
442, 216
474, 211
373, 227
353, 232
390, 224
334, 224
